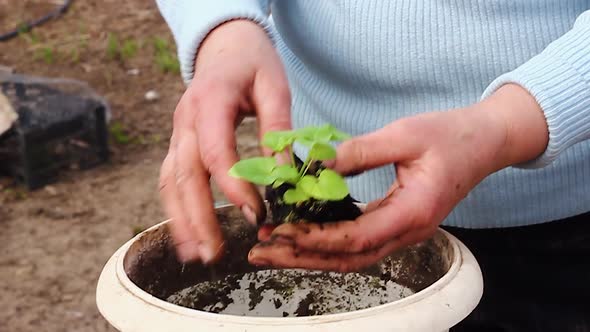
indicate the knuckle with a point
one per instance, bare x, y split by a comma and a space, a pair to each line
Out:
183, 174
282, 95
361, 154
162, 184
361, 245
212, 94
207, 85
204, 89
196, 96
166, 170
210, 156
278, 123
404, 127
176, 116
179, 117
172, 142
163, 180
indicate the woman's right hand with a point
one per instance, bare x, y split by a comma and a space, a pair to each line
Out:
237, 73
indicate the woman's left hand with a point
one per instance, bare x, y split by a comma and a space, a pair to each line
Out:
439, 158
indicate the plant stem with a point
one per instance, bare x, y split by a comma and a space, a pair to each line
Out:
292, 154
305, 166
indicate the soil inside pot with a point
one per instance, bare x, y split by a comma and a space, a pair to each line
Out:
283, 293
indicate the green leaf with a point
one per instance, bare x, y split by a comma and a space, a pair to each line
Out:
277, 184
257, 170
325, 133
328, 186
296, 195
306, 132
305, 141
333, 185
330, 133
309, 185
322, 151
286, 173
278, 140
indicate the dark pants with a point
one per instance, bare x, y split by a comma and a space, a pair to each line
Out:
536, 278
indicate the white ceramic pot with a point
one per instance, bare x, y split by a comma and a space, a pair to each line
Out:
437, 307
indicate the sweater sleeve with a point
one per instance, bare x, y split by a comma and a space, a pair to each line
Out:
191, 21
559, 79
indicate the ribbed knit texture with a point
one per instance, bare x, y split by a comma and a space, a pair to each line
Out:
362, 64
191, 22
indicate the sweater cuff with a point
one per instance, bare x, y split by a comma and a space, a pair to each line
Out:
558, 79
201, 17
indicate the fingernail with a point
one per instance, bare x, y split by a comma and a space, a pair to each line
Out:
256, 260
249, 214
280, 239
329, 163
283, 158
188, 251
209, 252
286, 230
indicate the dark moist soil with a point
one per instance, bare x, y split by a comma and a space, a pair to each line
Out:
293, 293
309, 211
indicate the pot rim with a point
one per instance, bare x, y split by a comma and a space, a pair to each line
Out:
121, 281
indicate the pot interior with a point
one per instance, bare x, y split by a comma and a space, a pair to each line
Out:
233, 286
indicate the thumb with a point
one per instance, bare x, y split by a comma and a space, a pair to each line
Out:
379, 148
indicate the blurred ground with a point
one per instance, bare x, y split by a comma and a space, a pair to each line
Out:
55, 241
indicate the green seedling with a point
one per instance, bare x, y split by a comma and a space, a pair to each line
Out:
325, 185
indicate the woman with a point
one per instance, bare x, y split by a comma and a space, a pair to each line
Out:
482, 106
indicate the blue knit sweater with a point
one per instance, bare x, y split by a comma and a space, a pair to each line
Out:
362, 64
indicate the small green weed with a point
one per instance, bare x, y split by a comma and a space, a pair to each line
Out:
45, 53
112, 46
122, 51
165, 58
119, 133
128, 49
15, 194
31, 37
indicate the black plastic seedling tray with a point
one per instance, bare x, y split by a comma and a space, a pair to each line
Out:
55, 131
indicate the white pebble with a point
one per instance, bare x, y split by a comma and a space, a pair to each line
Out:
133, 72
152, 95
